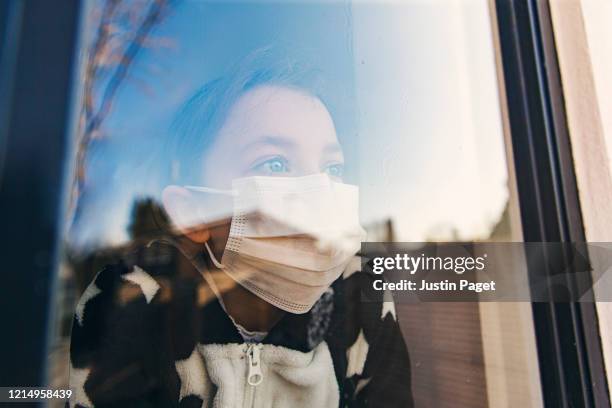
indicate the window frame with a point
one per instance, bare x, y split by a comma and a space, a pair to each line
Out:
567, 335
38, 55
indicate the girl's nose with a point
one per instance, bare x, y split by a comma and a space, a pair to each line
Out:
307, 166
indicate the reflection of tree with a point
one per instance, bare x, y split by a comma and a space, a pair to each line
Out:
148, 219
121, 30
381, 231
499, 229
502, 229
443, 232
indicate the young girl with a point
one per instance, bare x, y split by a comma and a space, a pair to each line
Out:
254, 298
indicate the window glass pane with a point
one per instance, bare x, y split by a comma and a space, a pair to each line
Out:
242, 150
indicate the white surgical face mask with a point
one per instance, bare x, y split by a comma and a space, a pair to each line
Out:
290, 237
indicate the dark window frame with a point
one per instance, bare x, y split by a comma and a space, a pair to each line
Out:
38, 43
570, 355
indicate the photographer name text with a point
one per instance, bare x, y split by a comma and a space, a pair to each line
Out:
413, 264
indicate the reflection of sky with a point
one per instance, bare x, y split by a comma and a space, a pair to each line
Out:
431, 116
430, 145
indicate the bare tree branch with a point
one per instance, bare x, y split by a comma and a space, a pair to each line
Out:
99, 44
107, 52
152, 18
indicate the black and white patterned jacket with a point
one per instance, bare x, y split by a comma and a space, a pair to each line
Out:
146, 333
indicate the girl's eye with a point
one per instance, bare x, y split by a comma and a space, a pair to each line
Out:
275, 165
335, 170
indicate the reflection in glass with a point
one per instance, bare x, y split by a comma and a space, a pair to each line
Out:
399, 100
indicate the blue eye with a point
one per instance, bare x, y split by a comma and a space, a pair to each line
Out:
275, 165
335, 170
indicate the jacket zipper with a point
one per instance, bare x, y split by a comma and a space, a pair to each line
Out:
255, 377
254, 374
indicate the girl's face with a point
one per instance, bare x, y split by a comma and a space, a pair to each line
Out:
274, 131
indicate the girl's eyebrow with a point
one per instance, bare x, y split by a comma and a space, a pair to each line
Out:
332, 148
273, 140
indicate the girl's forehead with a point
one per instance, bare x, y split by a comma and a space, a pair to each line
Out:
277, 111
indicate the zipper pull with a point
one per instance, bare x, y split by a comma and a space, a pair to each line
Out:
255, 376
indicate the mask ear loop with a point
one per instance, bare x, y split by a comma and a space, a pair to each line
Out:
216, 290
213, 258
205, 273
209, 279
